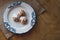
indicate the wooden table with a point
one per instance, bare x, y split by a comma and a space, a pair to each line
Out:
48, 25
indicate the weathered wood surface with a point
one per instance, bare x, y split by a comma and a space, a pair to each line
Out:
47, 26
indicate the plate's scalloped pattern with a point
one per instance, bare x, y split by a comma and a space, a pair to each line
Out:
9, 27
14, 4
33, 19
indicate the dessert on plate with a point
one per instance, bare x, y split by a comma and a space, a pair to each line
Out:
15, 18
21, 13
23, 20
20, 17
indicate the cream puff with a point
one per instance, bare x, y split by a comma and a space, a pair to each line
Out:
23, 20
21, 13
15, 18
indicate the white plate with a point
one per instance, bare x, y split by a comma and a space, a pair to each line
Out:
13, 8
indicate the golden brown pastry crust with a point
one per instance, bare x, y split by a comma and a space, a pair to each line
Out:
16, 19
23, 20
21, 13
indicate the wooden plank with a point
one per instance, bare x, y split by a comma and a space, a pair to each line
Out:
2, 37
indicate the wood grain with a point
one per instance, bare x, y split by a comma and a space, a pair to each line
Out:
2, 37
47, 26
